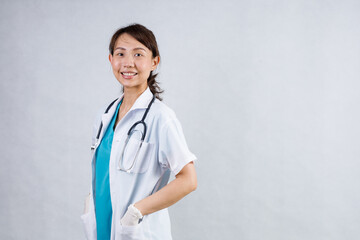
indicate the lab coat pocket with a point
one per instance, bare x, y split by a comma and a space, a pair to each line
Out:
88, 219
89, 226
137, 156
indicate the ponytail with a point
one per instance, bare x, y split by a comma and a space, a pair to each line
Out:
154, 86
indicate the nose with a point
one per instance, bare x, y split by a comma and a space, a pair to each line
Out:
128, 61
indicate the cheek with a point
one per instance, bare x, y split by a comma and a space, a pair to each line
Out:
116, 65
145, 66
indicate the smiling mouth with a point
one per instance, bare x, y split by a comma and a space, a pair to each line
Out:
128, 73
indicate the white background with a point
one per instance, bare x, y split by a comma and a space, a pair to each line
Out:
267, 92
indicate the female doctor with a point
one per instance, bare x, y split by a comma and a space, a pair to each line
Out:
137, 141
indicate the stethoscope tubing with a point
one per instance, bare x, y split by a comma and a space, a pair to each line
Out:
142, 121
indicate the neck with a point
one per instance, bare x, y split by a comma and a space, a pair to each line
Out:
130, 96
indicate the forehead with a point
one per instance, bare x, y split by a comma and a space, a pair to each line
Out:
128, 42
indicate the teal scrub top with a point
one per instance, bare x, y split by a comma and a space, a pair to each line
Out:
103, 208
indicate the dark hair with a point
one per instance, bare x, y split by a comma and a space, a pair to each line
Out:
146, 37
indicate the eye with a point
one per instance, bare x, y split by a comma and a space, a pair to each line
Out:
138, 54
120, 54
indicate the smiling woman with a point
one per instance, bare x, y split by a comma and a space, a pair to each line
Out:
144, 41
132, 62
138, 142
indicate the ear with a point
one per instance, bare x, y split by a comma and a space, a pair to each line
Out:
155, 63
110, 57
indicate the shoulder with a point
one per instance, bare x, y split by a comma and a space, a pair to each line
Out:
163, 112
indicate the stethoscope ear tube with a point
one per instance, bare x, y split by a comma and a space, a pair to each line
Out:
101, 124
148, 108
99, 131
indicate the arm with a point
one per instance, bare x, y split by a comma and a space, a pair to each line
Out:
184, 183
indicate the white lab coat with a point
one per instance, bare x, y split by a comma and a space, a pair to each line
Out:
164, 150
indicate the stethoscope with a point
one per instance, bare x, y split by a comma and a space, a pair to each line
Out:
143, 134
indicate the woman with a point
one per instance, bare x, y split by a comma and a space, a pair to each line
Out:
131, 163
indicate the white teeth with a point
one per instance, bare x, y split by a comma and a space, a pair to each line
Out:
129, 74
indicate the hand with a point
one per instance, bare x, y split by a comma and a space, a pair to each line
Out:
131, 217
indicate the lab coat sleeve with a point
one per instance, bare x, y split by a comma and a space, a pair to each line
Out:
173, 150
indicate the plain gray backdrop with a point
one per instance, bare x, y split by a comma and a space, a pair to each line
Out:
267, 92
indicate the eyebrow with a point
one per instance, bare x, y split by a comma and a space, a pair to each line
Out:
138, 48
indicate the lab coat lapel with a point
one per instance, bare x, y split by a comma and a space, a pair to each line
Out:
143, 100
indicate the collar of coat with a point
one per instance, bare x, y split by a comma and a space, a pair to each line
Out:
140, 103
